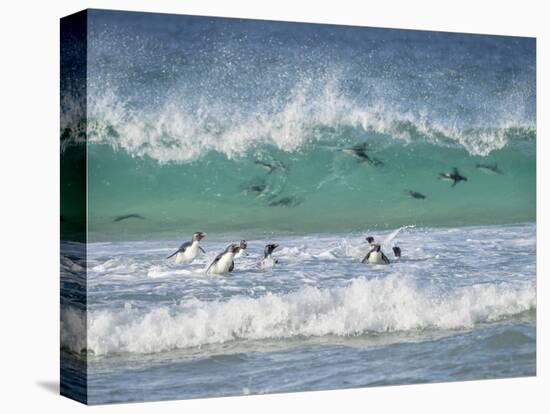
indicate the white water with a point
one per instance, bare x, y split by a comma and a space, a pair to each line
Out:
447, 279
385, 304
181, 132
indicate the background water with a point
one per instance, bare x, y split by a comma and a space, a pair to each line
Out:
243, 129
237, 124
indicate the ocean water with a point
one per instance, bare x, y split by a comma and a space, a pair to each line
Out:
459, 304
311, 136
232, 125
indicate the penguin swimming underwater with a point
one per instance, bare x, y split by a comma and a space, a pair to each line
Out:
415, 194
271, 166
268, 261
224, 261
128, 216
240, 253
455, 176
187, 252
291, 201
359, 151
489, 168
376, 256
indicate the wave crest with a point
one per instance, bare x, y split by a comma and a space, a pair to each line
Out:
183, 129
365, 306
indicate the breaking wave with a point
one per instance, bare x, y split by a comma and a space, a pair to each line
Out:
255, 123
180, 132
378, 305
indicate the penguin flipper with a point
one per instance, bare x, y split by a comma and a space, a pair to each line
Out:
232, 266
218, 257
212, 264
181, 249
173, 254
202, 250
385, 259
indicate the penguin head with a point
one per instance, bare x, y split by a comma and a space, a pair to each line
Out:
370, 239
269, 249
243, 244
199, 235
396, 251
233, 248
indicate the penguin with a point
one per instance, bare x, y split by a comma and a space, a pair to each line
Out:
257, 188
376, 256
415, 194
270, 167
240, 253
290, 201
242, 249
268, 261
187, 252
489, 168
224, 261
396, 251
370, 240
455, 176
359, 151
128, 216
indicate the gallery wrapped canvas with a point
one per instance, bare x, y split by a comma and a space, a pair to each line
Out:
255, 207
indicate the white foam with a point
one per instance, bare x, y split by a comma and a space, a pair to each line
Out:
159, 271
181, 132
385, 304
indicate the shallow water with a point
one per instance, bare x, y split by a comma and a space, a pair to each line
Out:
460, 304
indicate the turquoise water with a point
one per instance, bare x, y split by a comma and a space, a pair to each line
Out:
235, 125
319, 188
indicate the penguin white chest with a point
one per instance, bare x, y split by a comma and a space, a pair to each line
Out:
267, 263
223, 265
376, 258
189, 254
241, 253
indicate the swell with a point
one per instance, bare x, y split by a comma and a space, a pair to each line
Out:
391, 304
319, 161
189, 126
321, 188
